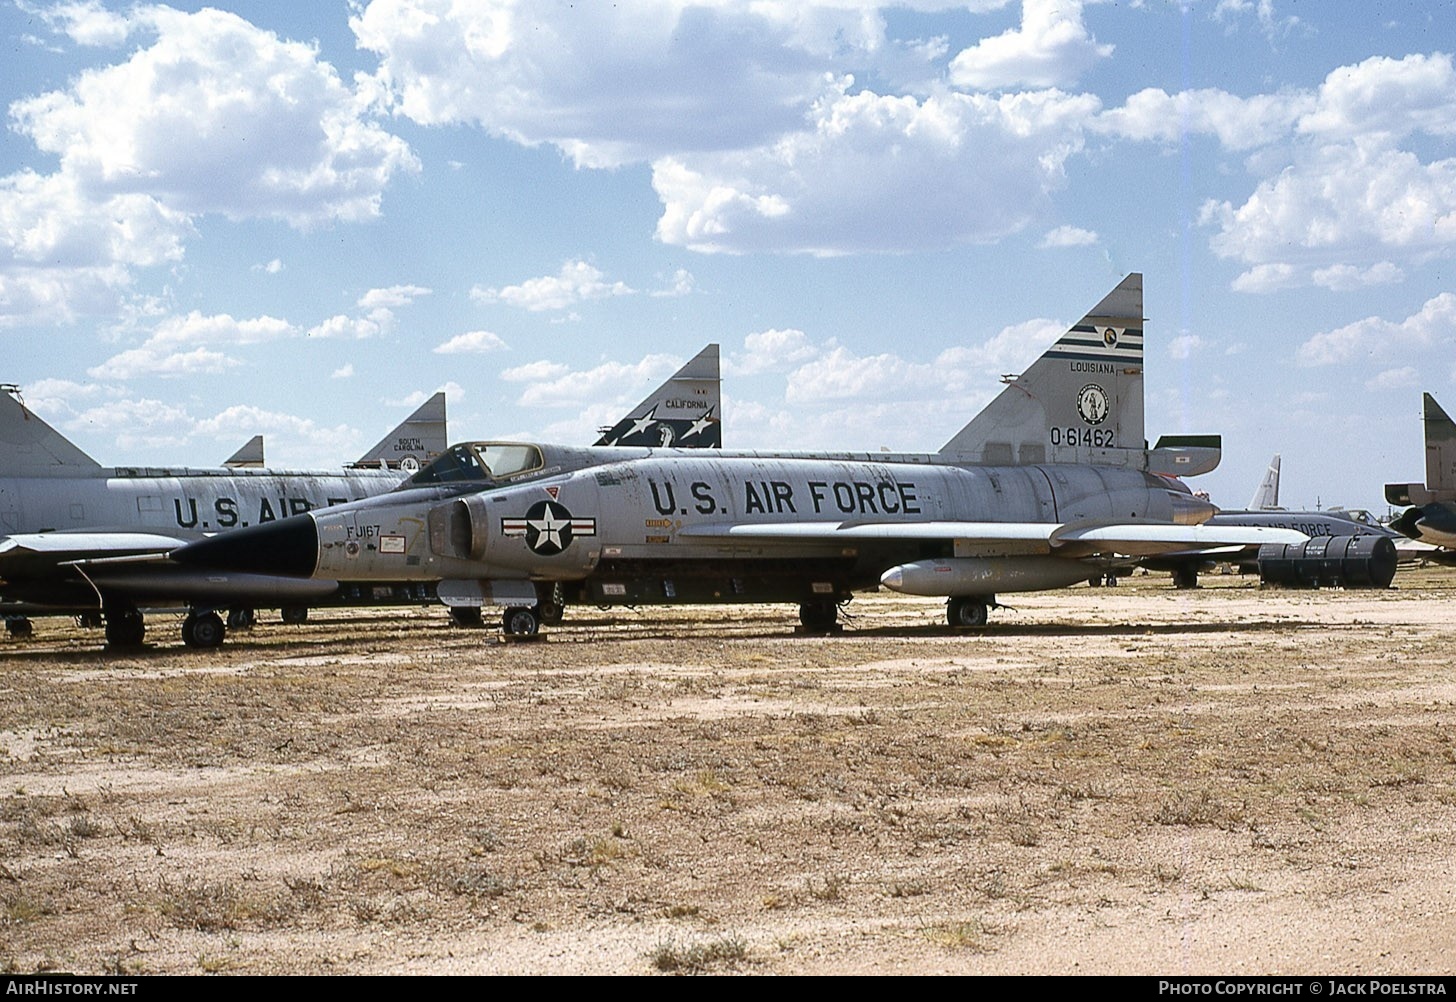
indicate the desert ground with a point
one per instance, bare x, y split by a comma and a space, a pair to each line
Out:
1112, 780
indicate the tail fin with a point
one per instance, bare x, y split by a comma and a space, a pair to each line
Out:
1440, 482
418, 439
1266, 496
1440, 447
249, 457
1081, 402
31, 448
683, 412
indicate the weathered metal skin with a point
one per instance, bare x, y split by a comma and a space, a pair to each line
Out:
649, 510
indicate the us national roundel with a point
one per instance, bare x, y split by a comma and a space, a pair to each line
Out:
548, 527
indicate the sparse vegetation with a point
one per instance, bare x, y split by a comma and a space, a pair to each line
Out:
376, 792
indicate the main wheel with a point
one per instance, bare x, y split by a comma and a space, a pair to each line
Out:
294, 614
125, 628
1185, 577
19, 628
819, 615
204, 629
520, 622
550, 613
966, 610
241, 617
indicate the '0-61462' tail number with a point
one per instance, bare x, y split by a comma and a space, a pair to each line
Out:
1096, 438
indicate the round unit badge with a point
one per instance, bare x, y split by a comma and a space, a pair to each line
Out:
1092, 403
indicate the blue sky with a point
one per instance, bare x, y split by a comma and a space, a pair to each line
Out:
301, 220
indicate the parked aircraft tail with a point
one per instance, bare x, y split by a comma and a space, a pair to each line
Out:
418, 439
1266, 495
684, 412
31, 448
1440, 447
249, 457
1440, 485
1081, 402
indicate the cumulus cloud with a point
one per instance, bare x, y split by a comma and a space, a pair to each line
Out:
209, 114
217, 115
192, 345
393, 297
471, 343
577, 281
879, 173
1374, 337
1185, 345
769, 351
1404, 378
611, 84
551, 385
1052, 48
1068, 236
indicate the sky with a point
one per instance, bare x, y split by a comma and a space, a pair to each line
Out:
301, 220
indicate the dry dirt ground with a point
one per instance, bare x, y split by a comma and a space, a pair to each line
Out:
1129, 780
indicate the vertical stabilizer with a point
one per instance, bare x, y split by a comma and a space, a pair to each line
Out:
1081, 402
31, 448
1266, 497
249, 457
1440, 447
419, 439
684, 412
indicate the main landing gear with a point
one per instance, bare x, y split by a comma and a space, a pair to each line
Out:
20, 627
969, 610
1185, 577
819, 616
124, 628
203, 629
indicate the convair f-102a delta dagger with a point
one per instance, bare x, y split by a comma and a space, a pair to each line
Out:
60, 509
1050, 484
82, 538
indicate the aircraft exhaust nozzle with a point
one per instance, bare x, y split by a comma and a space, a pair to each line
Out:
288, 547
1190, 510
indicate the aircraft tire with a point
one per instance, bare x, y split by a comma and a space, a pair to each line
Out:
1185, 577
125, 629
966, 610
519, 621
819, 616
20, 628
293, 615
203, 630
550, 613
465, 615
241, 617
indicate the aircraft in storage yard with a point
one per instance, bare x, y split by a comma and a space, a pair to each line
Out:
74, 530
1430, 521
59, 508
1052, 483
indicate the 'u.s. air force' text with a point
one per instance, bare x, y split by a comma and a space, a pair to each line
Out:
779, 497
228, 513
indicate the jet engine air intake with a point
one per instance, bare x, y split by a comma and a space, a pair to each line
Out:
460, 528
1330, 562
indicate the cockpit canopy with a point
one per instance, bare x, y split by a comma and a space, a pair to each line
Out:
481, 462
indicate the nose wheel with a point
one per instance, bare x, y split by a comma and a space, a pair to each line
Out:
519, 621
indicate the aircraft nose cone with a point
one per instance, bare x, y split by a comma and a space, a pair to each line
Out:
289, 546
